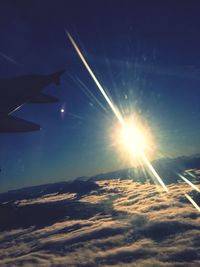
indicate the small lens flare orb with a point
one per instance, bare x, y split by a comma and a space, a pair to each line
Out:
62, 110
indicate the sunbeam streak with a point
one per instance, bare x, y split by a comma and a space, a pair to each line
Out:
114, 109
193, 202
153, 171
188, 182
191, 174
138, 143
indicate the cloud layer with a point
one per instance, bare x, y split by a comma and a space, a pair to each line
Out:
122, 223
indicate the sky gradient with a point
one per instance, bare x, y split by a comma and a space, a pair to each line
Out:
145, 54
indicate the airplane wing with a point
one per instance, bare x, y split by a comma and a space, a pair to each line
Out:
10, 124
43, 99
10, 103
20, 90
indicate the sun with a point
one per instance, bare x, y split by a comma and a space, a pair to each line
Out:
133, 139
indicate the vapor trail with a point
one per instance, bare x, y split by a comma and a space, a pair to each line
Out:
114, 109
188, 182
193, 202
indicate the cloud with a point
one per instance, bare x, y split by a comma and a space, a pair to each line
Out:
123, 223
46, 199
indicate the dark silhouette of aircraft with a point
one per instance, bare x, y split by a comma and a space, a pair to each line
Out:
16, 91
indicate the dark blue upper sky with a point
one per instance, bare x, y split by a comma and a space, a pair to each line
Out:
147, 50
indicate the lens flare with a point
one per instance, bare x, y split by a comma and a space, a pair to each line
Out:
130, 134
192, 202
109, 101
190, 183
131, 137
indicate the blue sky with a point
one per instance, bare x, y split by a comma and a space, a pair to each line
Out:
146, 50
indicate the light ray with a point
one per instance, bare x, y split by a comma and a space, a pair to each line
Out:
86, 91
153, 171
188, 182
191, 174
114, 109
8, 58
91, 95
193, 202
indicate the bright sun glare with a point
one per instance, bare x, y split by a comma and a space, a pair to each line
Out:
134, 138
131, 136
